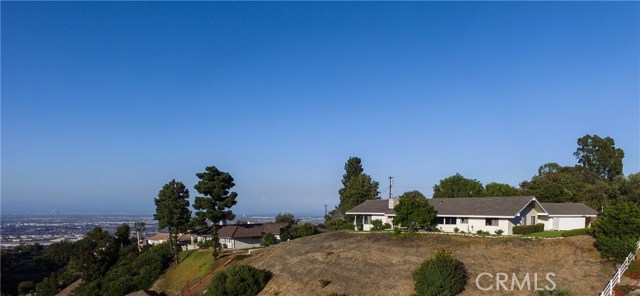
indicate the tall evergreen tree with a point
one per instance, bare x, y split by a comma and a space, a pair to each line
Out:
172, 211
216, 201
357, 187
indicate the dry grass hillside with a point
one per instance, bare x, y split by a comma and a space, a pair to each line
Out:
380, 264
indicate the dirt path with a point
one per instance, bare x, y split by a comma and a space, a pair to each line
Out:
379, 264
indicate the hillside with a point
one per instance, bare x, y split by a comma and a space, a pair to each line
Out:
379, 264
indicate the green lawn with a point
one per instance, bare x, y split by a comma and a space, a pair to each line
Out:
193, 266
547, 233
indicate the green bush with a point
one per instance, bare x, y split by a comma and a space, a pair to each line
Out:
456, 230
337, 224
576, 232
499, 232
206, 244
556, 292
359, 226
386, 226
298, 231
526, 229
377, 224
268, 239
481, 232
239, 280
396, 230
617, 230
441, 275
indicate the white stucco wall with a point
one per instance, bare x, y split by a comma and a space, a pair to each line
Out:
476, 224
368, 226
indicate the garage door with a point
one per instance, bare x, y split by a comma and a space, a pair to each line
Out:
568, 223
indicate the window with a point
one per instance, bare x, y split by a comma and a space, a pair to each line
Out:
533, 220
491, 222
450, 221
439, 220
464, 220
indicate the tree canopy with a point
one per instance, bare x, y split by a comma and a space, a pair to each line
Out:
618, 230
414, 207
285, 218
357, 187
500, 189
216, 200
600, 155
457, 186
172, 211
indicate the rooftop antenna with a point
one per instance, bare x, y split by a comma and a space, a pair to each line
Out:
390, 183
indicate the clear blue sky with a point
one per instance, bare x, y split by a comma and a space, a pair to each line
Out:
103, 103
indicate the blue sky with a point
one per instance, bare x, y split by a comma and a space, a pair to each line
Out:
103, 103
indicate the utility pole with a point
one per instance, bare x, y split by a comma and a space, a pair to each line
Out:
325, 210
390, 182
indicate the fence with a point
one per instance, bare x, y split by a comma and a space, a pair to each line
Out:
608, 291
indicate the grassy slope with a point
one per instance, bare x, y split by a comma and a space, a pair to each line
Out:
193, 265
379, 264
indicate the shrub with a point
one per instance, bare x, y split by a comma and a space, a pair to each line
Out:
634, 269
239, 280
576, 232
456, 230
298, 231
206, 244
377, 224
480, 232
556, 292
441, 275
337, 224
386, 226
268, 239
617, 230
396, 230
359, 226
621, 290
526, 229
499, 232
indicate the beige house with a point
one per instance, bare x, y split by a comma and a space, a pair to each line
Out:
471, 214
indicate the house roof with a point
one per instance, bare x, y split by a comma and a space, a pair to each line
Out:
250, 230
481, 206
569, 209
159, 236
372, 206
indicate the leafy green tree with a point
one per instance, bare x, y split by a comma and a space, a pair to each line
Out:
441, 275
97, 252
357, 187
172, 211
499, 189
414, 207
123, 235
48, 286
600, 156
617, 230
268, 239
140, 227
215, 202
27, 287
457, 186
239, 280
285, 218
629, 188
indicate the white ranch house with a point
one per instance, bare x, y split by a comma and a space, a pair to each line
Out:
471, 214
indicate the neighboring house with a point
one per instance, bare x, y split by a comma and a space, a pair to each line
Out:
243, 236
186, 241
471, 214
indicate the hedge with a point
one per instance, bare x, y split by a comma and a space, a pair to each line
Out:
526, 229
576, 232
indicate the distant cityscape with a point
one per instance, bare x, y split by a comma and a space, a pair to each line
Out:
45, 229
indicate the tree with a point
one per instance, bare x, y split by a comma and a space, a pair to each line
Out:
629, 188
285, 218
499, 189
239, 280
457, 186
298, 231
414, 207
617, 230
123, 235
357, 187
140, 227
268, 239
599, 155
214, 185
441, 275
48, 286
172, 211
97, 252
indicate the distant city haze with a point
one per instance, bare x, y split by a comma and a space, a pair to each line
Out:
105, 102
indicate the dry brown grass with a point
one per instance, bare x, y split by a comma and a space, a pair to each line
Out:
379, 264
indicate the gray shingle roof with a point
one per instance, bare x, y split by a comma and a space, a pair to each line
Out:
569, 209
373, 206
480, 206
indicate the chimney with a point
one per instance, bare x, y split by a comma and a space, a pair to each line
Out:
393, 202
